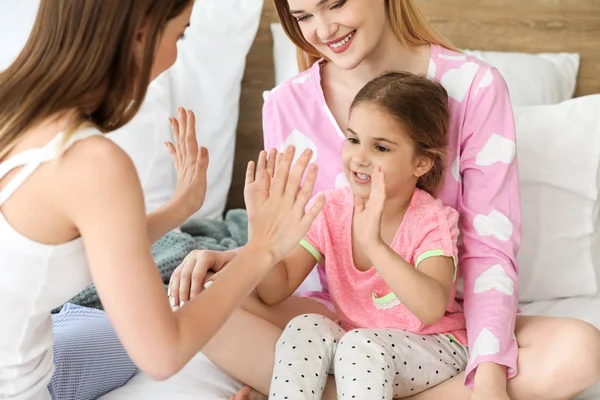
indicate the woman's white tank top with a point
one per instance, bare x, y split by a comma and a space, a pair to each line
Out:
35, 278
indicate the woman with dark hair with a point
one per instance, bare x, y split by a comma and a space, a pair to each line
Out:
71, 205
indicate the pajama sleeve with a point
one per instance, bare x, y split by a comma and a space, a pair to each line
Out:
490, 224
271, 123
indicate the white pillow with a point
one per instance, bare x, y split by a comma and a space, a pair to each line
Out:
559, 168
532, 79
206, 78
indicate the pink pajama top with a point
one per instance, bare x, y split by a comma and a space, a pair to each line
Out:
481, 183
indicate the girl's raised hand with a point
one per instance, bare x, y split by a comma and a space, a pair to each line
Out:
367, 213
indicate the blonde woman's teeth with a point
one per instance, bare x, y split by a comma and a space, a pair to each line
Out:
342, 42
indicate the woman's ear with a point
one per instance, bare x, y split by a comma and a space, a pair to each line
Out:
422, 166
140, 41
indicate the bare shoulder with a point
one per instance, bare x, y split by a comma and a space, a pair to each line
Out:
96, 160
96, 170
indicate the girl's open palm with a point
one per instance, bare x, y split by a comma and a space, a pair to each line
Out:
367, 213
190, 161
279, 218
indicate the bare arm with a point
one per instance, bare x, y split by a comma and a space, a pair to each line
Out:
281, 282
425, 291
164, 220
105, 203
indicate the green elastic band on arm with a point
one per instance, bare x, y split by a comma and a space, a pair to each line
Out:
436, 253
311, 249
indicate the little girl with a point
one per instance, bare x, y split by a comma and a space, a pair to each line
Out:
390, 251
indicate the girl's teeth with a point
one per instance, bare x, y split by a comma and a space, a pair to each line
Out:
362, 176
342, 42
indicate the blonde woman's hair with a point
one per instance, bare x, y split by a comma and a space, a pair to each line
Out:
80, 56
408, 23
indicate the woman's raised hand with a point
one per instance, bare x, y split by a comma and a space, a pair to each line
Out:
279, 219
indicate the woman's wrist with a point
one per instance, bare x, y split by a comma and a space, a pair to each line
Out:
490, 374
262, 254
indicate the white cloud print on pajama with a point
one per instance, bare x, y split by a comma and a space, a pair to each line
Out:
482, 157
497, 150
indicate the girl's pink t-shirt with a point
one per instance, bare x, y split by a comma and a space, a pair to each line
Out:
362, 299
481, 183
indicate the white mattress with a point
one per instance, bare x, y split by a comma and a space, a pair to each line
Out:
200, 379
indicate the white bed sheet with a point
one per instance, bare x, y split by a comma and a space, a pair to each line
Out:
200, 379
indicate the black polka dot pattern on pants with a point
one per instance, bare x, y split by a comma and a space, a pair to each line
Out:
368, 364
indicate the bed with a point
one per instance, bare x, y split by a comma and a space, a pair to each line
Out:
200, 379
504, 32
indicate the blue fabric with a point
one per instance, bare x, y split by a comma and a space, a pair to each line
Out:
89, 358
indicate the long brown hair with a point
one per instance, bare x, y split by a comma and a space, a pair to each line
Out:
80, 56
421, 106
408, 23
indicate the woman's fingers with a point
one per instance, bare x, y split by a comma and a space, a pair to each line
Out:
176, 139
173, 291
282, 170
198, 275
297, 173
182, 131
305, 192
173, 154
191, 142
261, 165
272, 162
202, 161
250, 170
185, 280
309, 217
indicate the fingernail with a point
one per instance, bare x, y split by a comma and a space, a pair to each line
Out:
172, 301
169, 292
208, 284
181, 303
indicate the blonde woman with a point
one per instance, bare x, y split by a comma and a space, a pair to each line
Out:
343, 44
71, 206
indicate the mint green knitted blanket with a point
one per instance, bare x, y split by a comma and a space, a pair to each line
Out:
170, 251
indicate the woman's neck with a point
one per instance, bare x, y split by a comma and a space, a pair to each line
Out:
390, 55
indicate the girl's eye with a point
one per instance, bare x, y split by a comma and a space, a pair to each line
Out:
182, 36
339, 4
382, 149
352, 140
